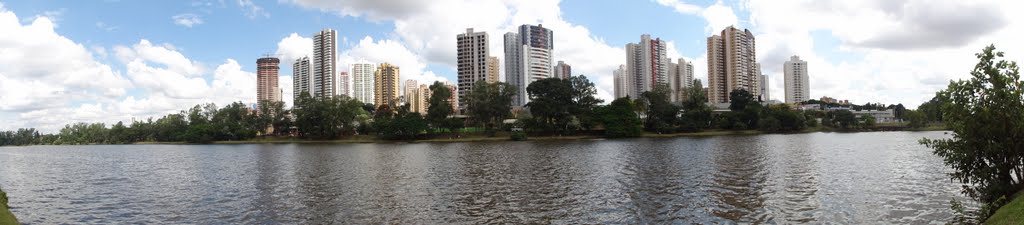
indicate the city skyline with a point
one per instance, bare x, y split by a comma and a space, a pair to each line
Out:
177, 54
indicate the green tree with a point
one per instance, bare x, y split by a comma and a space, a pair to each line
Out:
619, 119
984, 113
584, 101
661, 113
842, 119
490, 103
748, 109
916, 118
550, 100
869, 121
403, 125
439, 108
696, 113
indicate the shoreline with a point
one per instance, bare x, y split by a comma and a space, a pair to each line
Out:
6, 217
505, 138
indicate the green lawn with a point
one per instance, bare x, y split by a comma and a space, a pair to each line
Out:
6, 217
1011, 213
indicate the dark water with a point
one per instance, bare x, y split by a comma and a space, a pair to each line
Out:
860, 178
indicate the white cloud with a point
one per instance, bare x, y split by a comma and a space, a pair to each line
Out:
252, 10
187, 19
293, 47
410, 65
681, 7
719, 16
889, 51
417, 32
30, 78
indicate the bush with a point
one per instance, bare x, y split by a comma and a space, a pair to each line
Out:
518, 136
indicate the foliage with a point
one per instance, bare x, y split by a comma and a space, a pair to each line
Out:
518, 136
550, 100
439, 108
661, 113
584, 101
490, 103
869, 120
932, 109
696, 113
619, 119
841, 119
916, 118
325, 118
559, 105
749, 110
403, 125
984, 113
780, 118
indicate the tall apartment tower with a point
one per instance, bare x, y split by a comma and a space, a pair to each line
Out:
732, 64
764, 88
493, 69
344, 84
473, 61
453, 98
563, 71
646, 64
680, 78
795, 77
362, 82
420, 99
622, 82
386, 90
531, 51
325, 60
409, 92
266, 79
301, 78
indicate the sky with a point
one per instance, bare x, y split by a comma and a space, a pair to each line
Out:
65, 62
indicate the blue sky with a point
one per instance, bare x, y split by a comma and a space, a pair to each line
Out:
108, 61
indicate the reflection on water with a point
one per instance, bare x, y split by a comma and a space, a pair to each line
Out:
861, 178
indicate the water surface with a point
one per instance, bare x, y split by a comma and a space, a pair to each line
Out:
843, 178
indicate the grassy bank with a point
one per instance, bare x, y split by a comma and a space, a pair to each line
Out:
6, 217
1011, 213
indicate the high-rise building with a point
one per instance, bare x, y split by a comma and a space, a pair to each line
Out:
409, 92
493, 69
623, 86
732, 64
325, 60
473, 60
530, 51
796, 80
420, 99
344, 84
453, 98
386, 90
764, 88
646, 64
266, 79
362, 82
563, 71
300, 78
680, 78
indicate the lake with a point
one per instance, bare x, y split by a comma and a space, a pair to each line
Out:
844, 178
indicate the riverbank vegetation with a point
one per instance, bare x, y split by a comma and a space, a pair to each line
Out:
6, 217
986, 115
